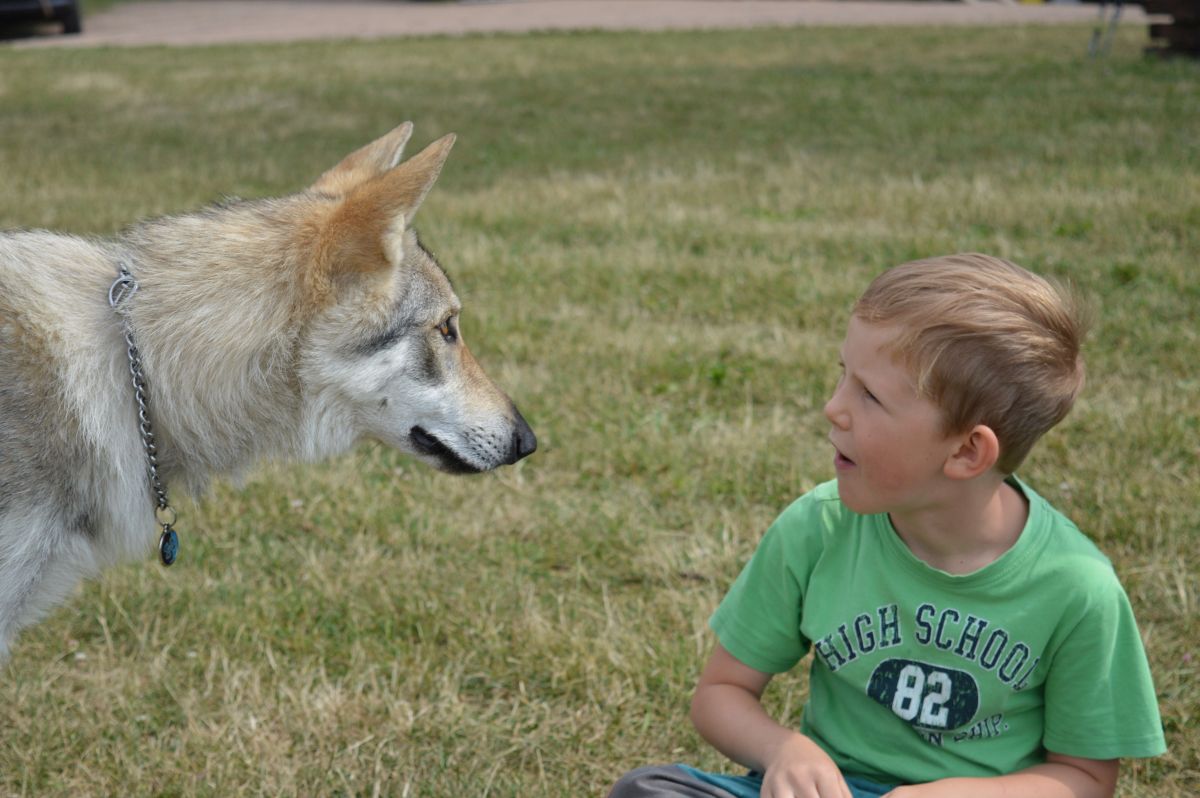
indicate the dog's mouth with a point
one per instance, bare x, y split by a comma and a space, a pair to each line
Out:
448, 459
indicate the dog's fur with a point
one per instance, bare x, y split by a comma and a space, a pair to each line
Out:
280, 328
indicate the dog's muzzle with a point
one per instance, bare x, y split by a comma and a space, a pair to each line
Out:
522, 444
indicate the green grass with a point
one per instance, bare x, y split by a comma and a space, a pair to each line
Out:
658, 238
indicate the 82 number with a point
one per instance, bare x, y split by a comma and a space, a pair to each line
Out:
911, 698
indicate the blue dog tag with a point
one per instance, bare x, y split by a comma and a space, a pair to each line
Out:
168, 546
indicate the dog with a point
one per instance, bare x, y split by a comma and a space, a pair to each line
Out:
196, 345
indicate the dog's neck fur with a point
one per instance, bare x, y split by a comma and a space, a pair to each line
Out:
222, 375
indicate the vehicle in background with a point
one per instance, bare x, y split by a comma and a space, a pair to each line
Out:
32, 11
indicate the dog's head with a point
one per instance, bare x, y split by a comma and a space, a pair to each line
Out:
385, 343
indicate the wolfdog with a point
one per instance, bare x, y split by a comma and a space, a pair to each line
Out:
194, 346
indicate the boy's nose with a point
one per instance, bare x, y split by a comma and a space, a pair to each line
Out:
834, 412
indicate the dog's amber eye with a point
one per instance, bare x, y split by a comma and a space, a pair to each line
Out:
447, 330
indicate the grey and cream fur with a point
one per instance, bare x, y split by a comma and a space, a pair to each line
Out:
285, 328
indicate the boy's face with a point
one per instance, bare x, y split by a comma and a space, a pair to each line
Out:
890, 451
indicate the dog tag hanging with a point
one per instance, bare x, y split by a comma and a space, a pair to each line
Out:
168, 546
168, 543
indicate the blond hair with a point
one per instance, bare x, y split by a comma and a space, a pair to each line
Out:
987, 341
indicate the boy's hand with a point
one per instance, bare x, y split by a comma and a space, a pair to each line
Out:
798, 768
727, 712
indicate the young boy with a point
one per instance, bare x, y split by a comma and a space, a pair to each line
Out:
968, 640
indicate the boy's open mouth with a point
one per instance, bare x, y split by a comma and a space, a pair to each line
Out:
840, 460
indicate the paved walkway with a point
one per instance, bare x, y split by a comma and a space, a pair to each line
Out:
193, 22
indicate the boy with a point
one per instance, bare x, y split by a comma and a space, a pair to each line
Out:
968, 640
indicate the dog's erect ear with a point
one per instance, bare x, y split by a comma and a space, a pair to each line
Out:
364, 233
410, 181
367, 162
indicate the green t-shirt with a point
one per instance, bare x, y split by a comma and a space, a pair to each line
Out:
918, 674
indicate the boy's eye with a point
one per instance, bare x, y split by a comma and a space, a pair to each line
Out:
870, 396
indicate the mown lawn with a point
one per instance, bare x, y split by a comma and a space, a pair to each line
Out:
658, 238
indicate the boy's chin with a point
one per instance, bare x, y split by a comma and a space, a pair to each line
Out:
854, 501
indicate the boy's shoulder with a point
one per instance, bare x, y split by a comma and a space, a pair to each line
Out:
1059, 543
1064, 533
822, 498
818, 519
819, 509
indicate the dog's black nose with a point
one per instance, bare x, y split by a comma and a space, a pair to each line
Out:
524, 442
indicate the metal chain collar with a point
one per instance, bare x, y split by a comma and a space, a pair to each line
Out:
122, 289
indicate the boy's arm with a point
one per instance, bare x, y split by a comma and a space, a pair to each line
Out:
1058, 777
727, 712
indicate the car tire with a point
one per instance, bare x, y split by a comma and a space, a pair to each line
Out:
71, 20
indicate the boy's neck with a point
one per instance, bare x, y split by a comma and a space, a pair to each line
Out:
976, 529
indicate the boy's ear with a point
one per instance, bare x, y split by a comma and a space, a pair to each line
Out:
977, 452
366, 162
365, 232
